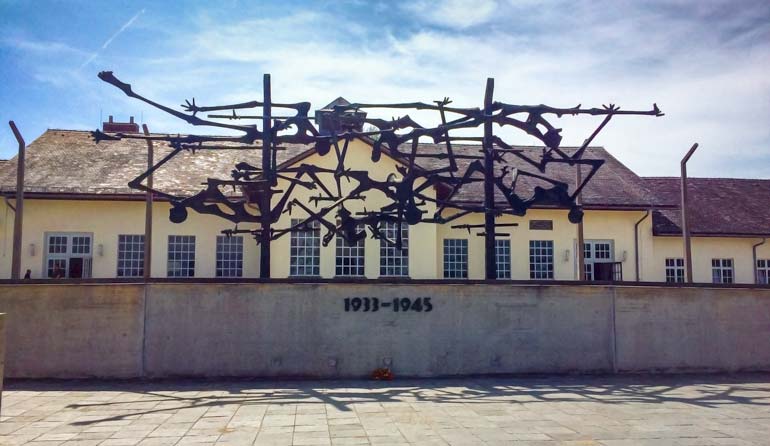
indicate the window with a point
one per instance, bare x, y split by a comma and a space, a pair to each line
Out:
722, 270
68, 255
229, 256
675, 270
181, 256
394, 262
455, 258
599, 259
503, 258
541, 259
130, 255
305, 254
763, 271
349, 257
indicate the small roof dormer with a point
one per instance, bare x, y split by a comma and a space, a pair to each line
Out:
332, 118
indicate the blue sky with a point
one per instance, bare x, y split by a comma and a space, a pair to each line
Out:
705, 63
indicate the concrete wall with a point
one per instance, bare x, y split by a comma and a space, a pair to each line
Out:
2, 354
279, 329
73, 330
692, 329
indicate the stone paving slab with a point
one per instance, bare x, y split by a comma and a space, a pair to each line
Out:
571, 410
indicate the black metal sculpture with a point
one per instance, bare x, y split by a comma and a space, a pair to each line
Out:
400, 138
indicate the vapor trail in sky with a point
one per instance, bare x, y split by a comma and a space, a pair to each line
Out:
109, 41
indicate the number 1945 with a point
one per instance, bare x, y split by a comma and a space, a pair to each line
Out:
397, 304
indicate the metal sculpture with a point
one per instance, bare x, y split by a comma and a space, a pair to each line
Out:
400, 138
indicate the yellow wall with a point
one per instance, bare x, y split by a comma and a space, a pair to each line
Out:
6, 238
706, 248
107, 219
422, 237
598, 225
619, 227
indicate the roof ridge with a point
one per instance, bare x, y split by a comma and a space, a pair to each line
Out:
67, 130
706, 178
645, 194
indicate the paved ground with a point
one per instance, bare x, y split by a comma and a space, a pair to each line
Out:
628, 410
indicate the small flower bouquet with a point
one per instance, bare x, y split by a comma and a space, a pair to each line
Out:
382, 374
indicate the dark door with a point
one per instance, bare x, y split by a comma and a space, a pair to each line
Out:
76, 268
603, 271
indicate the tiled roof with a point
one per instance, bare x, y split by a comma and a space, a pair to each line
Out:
614, 185
67, 161
718, 206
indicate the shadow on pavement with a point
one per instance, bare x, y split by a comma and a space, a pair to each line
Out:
709, 391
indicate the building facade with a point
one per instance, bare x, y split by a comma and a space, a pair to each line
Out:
81, 220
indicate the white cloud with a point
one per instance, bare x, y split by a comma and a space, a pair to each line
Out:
458, 14
41, 48
704, 64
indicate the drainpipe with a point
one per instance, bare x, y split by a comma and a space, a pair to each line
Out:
19, 214
636, 241
685, 222
8, 203
754, 258
579, 251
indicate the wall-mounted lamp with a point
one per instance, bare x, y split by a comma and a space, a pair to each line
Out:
100, 249
32, 250
624, 256
566, 255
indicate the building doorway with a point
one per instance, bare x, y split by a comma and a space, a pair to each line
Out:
69, 255
600, 264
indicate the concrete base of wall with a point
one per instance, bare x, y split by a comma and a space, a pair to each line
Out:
310, 330
2, 356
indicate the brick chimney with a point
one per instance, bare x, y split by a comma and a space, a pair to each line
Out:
120, 127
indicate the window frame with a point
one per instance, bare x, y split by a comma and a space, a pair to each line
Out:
674, 269
721, 269
136, 264
765, 268
298, 241
388, 251
354, 253
503, 264
455, 258
539, 250
181, 241
228, 245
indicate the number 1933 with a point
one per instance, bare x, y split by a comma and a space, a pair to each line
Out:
397, 304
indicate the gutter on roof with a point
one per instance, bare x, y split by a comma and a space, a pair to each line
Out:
590, 207
129, 196
713, 234
79, 196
